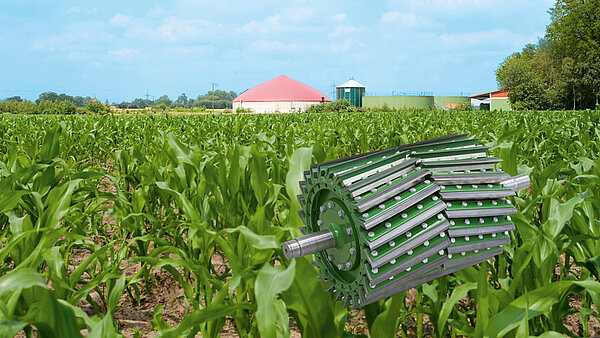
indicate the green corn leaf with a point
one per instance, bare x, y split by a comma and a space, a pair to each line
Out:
313, 306
534, 303
559, 215
157, 321
104, 328
20, 279
9, 328
386, 323
550, 334
57, 204
457, 294
483, 300
198, 317
51, 145
270, 282
115, 294
10, 199
299, 162
259, 242
51, 318
258, 174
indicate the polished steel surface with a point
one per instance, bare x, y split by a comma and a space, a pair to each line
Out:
308, 244
517, 183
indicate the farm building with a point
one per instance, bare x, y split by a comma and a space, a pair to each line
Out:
352, 91
279, 95
495, 100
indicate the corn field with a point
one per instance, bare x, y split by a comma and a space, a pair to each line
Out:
94, 208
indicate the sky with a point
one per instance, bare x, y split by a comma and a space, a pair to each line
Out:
121, 50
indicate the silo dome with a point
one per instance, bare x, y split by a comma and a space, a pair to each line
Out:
352, 91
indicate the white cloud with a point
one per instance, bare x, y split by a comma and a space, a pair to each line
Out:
170, 28
474, 38
339, 17
298, 15
124, 53
278, 22
408, 19
174, 28
71, 41
345, 30
343, 46
269, 24
498, 38
120, 20
271, 46
156, 11
445, 5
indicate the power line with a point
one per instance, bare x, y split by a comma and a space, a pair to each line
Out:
213, 95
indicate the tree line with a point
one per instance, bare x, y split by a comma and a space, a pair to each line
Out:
53, 103
561, 71
219, 99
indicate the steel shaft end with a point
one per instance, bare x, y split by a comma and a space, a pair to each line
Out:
291, 249
517, 183
308, 244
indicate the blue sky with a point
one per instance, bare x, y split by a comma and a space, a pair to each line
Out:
117, 50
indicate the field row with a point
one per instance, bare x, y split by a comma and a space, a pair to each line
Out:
99, 212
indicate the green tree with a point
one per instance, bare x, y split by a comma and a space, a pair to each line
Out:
14, 98
563, 70
161, 107
47, 96
164, 100
95, 107
517, 76
181, 101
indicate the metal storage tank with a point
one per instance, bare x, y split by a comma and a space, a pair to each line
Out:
451, 102
352, 91
399, 102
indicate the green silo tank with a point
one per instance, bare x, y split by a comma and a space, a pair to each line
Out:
352, 91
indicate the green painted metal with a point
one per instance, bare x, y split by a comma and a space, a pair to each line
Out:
354, 95
399, 102
500, 104
450, 102
392, 228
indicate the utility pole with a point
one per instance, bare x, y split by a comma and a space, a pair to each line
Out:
212, 96
147, 95
333, 91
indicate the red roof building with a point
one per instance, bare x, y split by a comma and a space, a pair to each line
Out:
494, 100
281, 94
